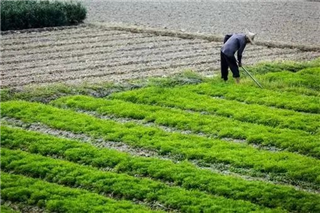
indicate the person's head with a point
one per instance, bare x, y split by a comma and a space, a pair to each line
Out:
250, 37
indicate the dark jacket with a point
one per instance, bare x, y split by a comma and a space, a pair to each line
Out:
234, 43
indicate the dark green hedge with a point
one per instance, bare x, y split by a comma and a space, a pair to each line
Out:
17, 15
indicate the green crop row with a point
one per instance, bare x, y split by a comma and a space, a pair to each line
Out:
209, 124
119, 185
303, 81
306, 78
182, 174
56, 198
275, 84
292, 165
181, 98
254, 95
279, 66
7, 209
16, 15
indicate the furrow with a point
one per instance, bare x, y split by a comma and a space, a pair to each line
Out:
97, 72
102, 55
85, 46
56, 38
99, 69
76, 42
120, 55
116, 76
83, 57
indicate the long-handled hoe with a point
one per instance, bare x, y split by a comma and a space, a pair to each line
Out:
252, 77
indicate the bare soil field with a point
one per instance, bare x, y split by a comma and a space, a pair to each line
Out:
98, 53
291, 21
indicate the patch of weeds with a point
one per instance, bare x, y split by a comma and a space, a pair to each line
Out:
46, 94
186, 77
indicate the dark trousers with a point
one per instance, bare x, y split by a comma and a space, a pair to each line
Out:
227, 62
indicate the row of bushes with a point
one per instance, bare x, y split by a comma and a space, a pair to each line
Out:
17, 15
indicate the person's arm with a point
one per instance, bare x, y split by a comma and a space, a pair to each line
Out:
240, 51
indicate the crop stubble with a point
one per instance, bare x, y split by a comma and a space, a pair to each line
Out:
88, 53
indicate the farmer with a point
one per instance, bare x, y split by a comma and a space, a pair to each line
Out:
234, 43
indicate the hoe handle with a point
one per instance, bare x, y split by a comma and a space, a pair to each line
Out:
252, 77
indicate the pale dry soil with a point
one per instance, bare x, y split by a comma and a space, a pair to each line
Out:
291, 21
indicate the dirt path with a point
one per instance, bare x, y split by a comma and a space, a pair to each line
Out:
98, 52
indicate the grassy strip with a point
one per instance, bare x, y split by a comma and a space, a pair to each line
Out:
52, 92
278, 86
284, 81
279, 66
119, 185
17, 15
183, 174
209, 124
55, 198
293, 166
182, 98
7, 209
306, 78
287, 76
48, 93
254, 95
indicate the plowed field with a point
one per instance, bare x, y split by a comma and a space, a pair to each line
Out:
90, 53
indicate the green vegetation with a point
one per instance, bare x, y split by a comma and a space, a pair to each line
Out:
17, 15
280, 66
56, 198
300, 78
197, 122
7, 209
253, 95
120, 185
270, 117
187, 146
182, 174
218, 146
307, 78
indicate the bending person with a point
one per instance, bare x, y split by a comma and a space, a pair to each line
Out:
234, 43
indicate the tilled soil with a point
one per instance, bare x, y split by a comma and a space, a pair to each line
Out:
98, 53
291, 21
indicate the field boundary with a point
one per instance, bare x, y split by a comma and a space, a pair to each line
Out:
164, 32
203, 36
